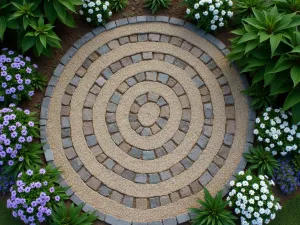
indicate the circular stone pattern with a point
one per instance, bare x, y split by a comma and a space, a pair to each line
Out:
149, 115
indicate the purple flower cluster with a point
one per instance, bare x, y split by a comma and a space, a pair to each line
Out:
286, 177
16, 72
33, 196
16, 130
5, 182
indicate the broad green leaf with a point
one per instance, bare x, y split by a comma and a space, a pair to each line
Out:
275, 41
60, 10
69, 20
292, 98
248, 37
296, 113
25, 22
251, 45
13, 24
43, 40
297, 49
39, 47
50, 11
295, 74
258, 76
68, 4
27, 43
2, 26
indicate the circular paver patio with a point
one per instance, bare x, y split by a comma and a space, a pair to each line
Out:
141, 115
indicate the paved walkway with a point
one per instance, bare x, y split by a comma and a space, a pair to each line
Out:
142, 116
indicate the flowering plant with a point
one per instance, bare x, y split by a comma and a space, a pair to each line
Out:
34, 194
17, 130
17, 74
252, 199
286, 177
209, 14
95, 11
6, 182
276, 132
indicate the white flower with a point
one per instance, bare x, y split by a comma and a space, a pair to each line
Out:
249, 177
274, 153
245, 183
211, 8
232, 183
256, 198
98, 2
110, 13
97, 9
256, 131
218, 5
230, 3
196, 6
260, 203
91, 4
251, 201
197, 16
216, 17
99, 16
104, 7
216, 12
188, 11
257, 120
261, 210
241, 173
256, 214
260, 138
88, 20
90, 11
205, 13
99, 20
221, 24
80, 12
255, 186
261, 177
270, 205
106, 3
237, 211
262, 126
251, 192
84, 5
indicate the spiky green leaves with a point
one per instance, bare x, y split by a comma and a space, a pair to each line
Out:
213, 211
155, 5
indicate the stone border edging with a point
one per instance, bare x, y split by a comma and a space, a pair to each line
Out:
57, 73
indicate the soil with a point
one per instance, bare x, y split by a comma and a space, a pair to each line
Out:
69, 36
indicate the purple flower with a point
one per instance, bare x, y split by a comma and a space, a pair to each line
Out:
21, 159
20, 81
35, 66
29, 172
27, 189
1, 98
21, 139
4, 85
18, 76
31, 93
8, 77
57, 198
29, 139
10, 162
27, 59
11, 52
14, 214
42, 171
3, 73
51, 189
30, 123
29, 210
27, 81
45, 183
28, 70
20, 87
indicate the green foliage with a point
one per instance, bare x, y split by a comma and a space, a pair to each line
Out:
261, 160
244, 8
155, 5
296, 162
288, 6
260, 95
62, 215
118, 5
31, 159
213, 211
267, 46
42, 38
26, 16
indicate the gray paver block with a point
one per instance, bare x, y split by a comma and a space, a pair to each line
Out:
110, 25
122, 22
58, 70
88, 208
141, 19
123, 222
170, 221
176, 21
111, 219
98, 30
75, 198
184, 217
48, 155
162, 19
132, 19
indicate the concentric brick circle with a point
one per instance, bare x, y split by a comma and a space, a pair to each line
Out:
142, 117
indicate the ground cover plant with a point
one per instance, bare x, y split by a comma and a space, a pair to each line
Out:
252, 199
209, 14
156, 5
35, 193
96, 12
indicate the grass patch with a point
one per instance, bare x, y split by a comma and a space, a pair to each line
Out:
5, 215
289, 214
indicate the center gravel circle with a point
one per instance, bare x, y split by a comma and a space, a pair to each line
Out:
148, 118
148, 114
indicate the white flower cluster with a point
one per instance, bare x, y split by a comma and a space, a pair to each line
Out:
210, 14
95, 11
252, 199
276, 132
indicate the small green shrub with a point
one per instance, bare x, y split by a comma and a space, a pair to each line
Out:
62, 215
267, 47
213, 211
261, 160
244, 9
118, 5
156, 5
288, 6
296, 162
260, 95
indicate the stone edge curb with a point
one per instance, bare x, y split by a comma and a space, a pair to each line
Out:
181, 218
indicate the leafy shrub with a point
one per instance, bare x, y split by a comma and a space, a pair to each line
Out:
244, 8
34, 195
213, 211
296, 162
95, 11
267, 46
118, 5
276, 133
252, 199
61, 214
25, 18
17, 130
288, 6
209, 14
18, 77
261, 160
6, 182
286, 177
260, 95
156, 5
